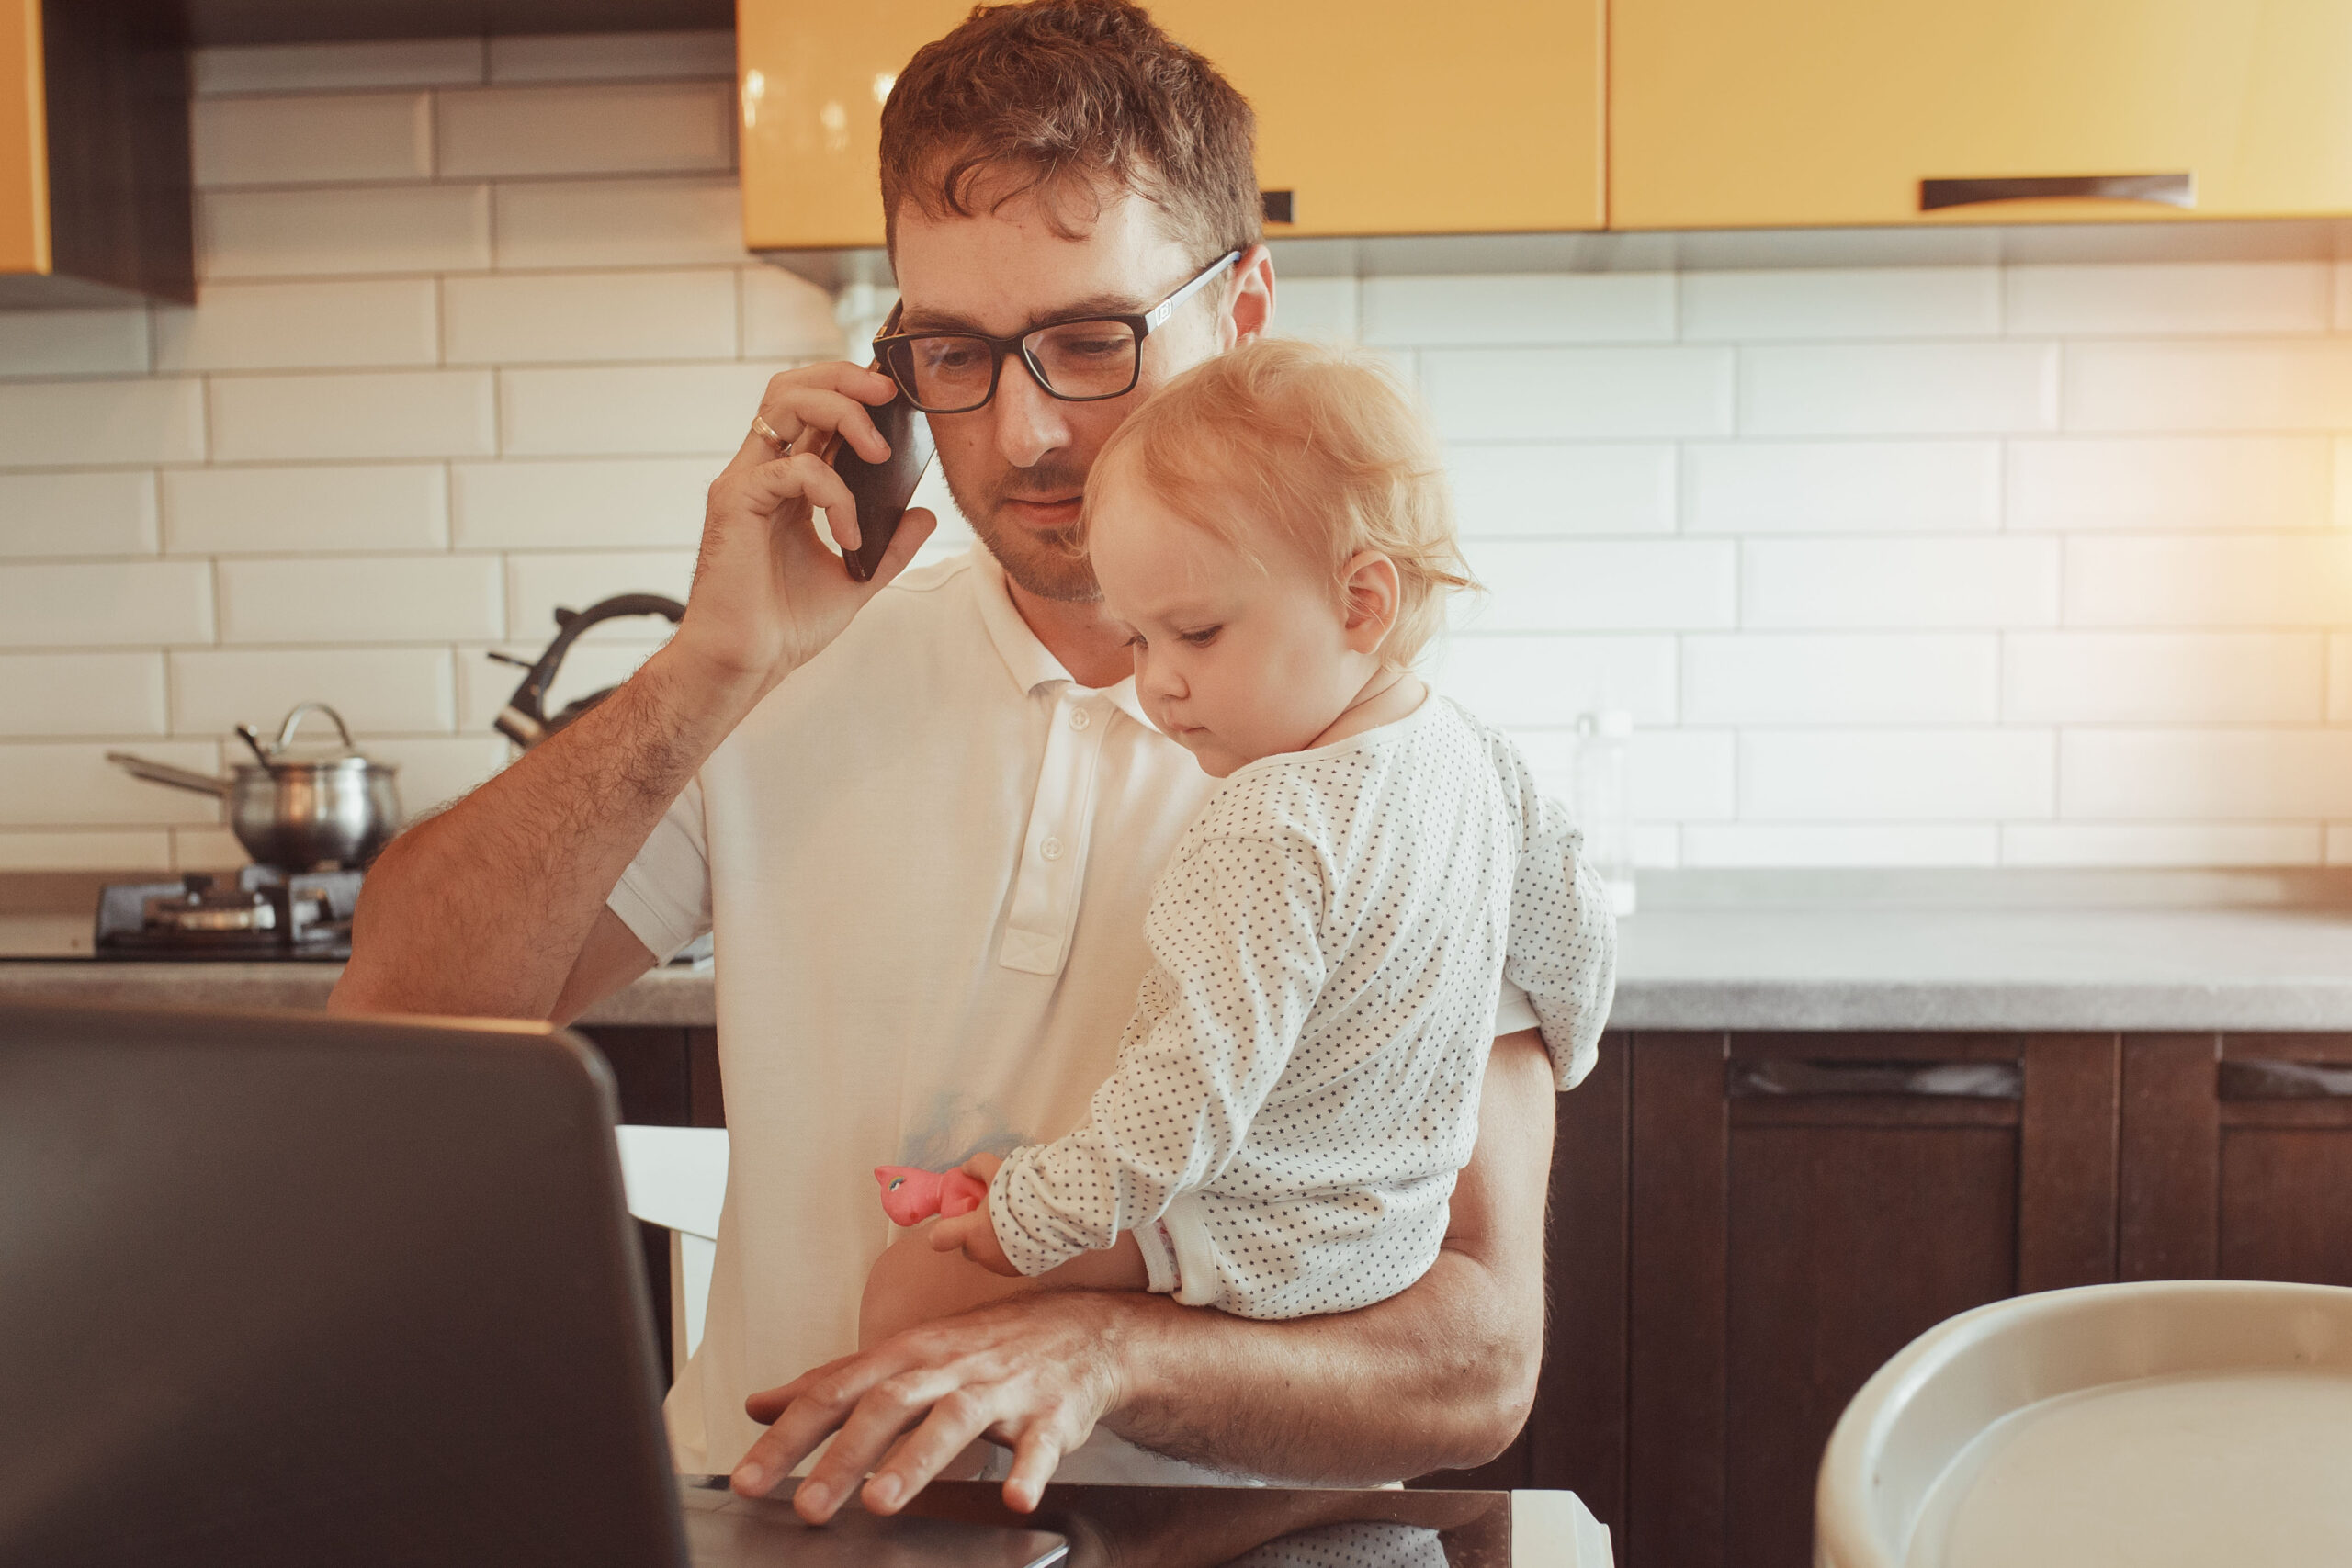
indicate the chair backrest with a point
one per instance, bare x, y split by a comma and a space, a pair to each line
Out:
675, 1177
1911, 1429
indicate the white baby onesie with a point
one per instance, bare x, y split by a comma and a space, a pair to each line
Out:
1299, 1084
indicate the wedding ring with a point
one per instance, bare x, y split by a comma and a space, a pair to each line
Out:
766, 432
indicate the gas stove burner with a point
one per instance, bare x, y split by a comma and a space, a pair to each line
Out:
264, 914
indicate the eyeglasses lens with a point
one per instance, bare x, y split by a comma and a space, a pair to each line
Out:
948, 373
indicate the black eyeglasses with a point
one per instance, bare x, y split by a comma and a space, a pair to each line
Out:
1079, 361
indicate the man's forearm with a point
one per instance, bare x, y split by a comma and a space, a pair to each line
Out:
483, 909
1439, 1376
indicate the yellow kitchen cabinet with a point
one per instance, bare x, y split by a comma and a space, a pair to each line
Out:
94, 162
24, 142
1797, 113
1378, 118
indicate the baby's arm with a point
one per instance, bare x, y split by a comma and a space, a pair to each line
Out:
1563, 944
1235, 927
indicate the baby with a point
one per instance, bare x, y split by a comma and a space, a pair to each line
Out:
1299, 1085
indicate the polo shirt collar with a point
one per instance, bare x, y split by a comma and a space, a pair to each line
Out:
1025, 659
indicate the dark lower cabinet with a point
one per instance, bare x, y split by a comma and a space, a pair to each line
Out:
1745, 1226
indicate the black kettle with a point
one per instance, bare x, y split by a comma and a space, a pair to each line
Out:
524, 719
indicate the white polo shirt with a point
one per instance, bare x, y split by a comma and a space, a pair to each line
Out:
927, 855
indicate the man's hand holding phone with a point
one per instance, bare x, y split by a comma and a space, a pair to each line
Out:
768, 594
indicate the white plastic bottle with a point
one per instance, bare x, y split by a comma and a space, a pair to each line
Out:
1603, 802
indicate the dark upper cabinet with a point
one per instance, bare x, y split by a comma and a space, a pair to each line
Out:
93, 164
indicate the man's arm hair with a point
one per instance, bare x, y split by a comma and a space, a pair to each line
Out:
1439, 1376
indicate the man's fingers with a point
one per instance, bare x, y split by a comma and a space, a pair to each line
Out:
1035, 1456
801, 406
954, 1422
933, 1397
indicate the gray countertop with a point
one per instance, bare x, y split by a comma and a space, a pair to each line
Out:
1812, 952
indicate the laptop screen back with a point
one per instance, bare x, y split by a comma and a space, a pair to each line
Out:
282, 1289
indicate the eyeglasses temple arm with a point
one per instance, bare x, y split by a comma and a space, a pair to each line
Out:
1158, 315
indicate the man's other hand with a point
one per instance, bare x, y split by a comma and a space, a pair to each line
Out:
1034, 1373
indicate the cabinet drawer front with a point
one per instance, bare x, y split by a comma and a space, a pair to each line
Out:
1740, 113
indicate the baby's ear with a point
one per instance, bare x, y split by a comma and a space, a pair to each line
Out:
1375, 592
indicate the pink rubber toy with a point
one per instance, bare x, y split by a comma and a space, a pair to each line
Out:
911, 1195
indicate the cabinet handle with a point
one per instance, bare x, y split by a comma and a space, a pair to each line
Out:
2173, 190
1942, 1080
2286, 1080
1278, 206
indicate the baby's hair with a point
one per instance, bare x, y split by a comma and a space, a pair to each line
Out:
1318, 448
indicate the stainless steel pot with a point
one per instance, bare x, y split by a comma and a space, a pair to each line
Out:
296, 815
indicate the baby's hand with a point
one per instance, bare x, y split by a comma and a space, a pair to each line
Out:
974, 1233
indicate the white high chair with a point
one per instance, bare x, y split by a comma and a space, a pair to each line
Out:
2176, 1421
676, 1178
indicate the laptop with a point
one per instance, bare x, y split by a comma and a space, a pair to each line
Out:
294, 1290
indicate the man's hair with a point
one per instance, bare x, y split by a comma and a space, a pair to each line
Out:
1072, 99
1317, 450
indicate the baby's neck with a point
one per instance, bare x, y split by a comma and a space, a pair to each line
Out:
1389, 696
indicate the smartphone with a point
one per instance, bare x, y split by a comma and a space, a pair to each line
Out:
882, 489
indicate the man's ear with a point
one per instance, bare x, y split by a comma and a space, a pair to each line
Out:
1250, 306
1374, 595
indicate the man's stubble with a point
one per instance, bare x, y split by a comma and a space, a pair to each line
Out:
1053, 565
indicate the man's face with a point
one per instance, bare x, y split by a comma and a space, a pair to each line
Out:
1018, 466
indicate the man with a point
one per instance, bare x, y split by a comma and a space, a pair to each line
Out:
923, 820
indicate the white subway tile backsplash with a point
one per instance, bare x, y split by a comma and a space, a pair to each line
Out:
638, 410
664, 223
1814, 303
1550, 394
1847, 775
129, 604
788, 317
378, 690
71, 785
69, 424
1762, 846
2206, 774
653, 127
1957, 389
110, 512
1514, 311
2171, 481
1555, 490
2175, 301
2163, 678
393, 413
587, 57
536, 585
306, 511
367, 229
2244, 580
301, 326
318, 67
311, 139
538, 350
1898, 584
72, 343
2208, 387
2160, 843
1887, 679
582, 503
435, 771
129, 850
1539, 681
1842, 487
81, 693
527, 318
1591, 585
354, 599
1324, 309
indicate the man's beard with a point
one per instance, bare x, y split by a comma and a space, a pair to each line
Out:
1049, 565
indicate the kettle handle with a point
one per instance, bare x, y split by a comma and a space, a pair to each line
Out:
294, 722
164, 774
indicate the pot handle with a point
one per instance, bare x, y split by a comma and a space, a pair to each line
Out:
164, 774
294, 722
